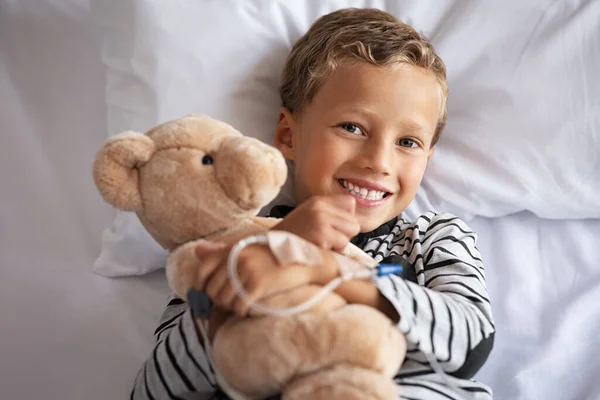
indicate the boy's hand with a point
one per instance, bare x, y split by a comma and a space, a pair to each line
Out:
259, 272
327, 221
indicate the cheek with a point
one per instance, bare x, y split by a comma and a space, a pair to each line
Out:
319, 159
411, 173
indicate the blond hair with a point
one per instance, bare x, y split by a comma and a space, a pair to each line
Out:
355, 34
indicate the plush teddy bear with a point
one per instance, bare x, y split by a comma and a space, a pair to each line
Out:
197, 178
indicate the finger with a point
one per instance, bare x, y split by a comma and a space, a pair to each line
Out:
228, 295
207, 247
347, 227
330, 220
221, 289
214, 285
255, 267
341, 212
339, 240
210, 256
342, 218
343, 202
241, 307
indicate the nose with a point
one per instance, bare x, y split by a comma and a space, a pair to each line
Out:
250, 172
376, 156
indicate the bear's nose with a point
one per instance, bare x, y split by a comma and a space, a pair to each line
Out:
250, 171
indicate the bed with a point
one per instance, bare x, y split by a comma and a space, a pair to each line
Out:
81, 287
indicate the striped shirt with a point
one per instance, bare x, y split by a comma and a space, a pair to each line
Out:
441, 298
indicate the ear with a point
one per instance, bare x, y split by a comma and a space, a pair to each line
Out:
116, 169
285, 131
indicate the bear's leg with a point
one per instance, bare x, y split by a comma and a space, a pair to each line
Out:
341, 382
260, 356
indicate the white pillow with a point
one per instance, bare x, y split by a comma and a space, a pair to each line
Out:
523, 129
128, 249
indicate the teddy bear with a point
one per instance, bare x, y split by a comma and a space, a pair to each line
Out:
197, 178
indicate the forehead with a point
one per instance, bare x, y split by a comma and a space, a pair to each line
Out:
400, 93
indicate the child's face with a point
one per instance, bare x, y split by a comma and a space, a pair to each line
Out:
367, 132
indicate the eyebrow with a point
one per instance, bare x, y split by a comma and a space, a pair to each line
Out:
357, 110
415, 128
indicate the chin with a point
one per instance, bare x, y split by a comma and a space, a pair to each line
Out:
370, 219
370, 223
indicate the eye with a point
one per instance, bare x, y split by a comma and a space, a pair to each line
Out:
207, 160
351, 128
409, 143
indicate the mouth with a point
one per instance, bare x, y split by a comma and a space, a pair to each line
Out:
365, 193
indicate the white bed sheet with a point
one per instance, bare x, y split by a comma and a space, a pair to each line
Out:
66, 333
544, 284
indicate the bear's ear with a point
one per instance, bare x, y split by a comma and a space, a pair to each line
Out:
116, 169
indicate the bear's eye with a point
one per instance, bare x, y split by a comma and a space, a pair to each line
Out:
207, 160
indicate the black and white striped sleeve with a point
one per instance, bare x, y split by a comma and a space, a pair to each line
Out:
177, 367
447, 313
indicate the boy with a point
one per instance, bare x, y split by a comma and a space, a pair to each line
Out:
364, 102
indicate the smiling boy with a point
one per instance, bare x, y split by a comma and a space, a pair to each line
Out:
363, 105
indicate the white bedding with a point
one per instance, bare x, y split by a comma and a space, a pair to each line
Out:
66, 333
544, 284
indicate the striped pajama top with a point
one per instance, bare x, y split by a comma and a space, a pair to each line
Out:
441, 298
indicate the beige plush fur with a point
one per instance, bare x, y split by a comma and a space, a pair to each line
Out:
333, 351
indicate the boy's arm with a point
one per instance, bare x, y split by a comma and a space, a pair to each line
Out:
450, 316
178, 365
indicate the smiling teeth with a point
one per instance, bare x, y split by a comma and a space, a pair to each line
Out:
362, 192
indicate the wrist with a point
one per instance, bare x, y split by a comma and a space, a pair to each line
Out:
365, 292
